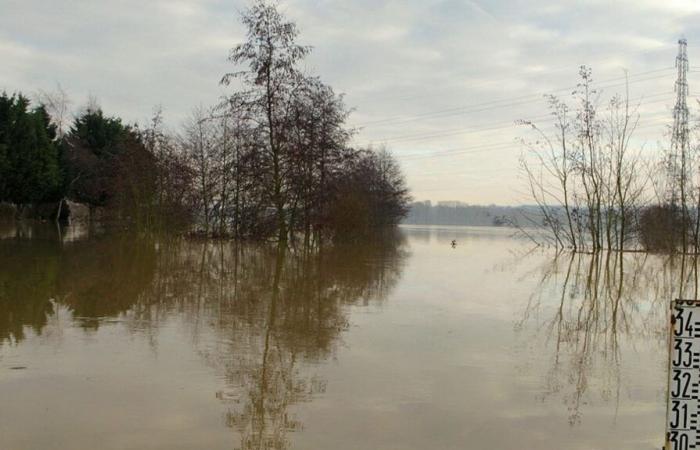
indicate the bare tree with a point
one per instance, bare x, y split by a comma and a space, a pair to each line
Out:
584, 176
553, 162
272, 55
57, 105
198, 141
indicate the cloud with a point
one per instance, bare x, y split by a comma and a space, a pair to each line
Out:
415, 61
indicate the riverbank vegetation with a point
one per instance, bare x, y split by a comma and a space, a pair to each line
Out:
596, 189
273, 159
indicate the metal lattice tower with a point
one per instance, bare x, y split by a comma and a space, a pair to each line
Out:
677, 164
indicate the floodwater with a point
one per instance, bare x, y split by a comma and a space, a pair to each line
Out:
401, 343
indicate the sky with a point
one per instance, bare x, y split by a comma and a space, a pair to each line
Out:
440, 83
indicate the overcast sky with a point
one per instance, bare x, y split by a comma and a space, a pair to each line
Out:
440, 82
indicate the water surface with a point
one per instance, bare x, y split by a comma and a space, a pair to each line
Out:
400, 343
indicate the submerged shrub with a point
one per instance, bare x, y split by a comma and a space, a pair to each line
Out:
661, 228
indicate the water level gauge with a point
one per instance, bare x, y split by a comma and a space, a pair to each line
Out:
683, 407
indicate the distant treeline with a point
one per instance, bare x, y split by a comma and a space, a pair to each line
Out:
273, 159
457, 213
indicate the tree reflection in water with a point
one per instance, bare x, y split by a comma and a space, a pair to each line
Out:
593, 310
259, 316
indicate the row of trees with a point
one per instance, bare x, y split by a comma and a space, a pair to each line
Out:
97, 161
272, 159
596, 191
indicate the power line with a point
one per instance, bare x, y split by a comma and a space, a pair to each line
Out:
485, 148
680, 118
491, 127
429, 135
548, 70
508, 102
452, 150
498, 146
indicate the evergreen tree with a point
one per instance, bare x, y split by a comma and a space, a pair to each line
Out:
29, 168
89, 152
108, 165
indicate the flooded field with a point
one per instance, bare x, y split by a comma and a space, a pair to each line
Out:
401, 343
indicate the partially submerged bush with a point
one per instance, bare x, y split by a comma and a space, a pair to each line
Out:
661, 228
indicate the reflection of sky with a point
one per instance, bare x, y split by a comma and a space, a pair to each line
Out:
395, 60
439, 364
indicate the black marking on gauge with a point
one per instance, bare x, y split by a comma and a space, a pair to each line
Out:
684, 346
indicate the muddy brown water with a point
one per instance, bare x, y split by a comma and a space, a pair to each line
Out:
405, 342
